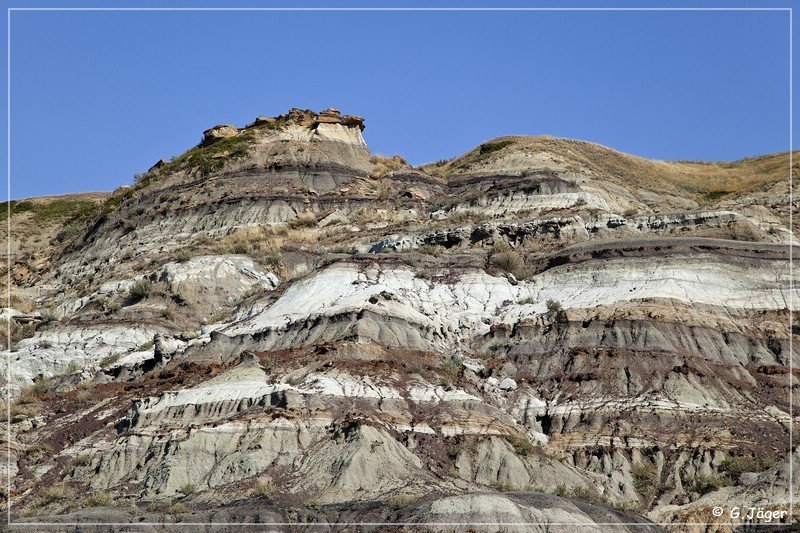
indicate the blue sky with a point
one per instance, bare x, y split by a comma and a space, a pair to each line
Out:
99, 96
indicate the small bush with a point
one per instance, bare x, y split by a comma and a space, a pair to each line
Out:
109, 360
503, 486
714, 195
509, 261
184, 255
265, 488
430, 249
703, 484
177, 508
55, 493
82, 460
273, 260
587, 494
520, 443
554, 310
303, 220
400, 501
452, 367
187, 489
736, 466
493, 146
139, 290
644, 479
98, 499
240, 248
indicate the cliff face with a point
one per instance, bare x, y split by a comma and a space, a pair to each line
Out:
278, 326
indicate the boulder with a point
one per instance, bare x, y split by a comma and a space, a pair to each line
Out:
217, 133
508, 384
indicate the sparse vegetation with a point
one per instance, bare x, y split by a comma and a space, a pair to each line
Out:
304, 220
452, 368
494, 146
177, 508
239, 248
184, 255
703, 483
644, 479
430, 249
187, 489
555, 311
265, 488
56, 493
139, 291
386, 164
520, 443
109, 360
737, 465
98, 499
502, 257
713, 196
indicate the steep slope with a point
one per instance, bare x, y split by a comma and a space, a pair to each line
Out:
278, 325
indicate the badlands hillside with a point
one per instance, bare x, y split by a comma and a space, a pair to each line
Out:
279, 327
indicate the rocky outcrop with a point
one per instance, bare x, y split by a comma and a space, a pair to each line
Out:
218, 133
277, 326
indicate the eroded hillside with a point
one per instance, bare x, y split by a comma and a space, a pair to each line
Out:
278, 326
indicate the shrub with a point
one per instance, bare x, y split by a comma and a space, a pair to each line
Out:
554, 310
109, 360
303, 220
240, 247
265, 488
187, 489
184, 255
704, 484
139, 290
400, 501
452, 367
736, 466
493, 146
82, 460
430, 249
587, 494
55, 493
177, 508
98, 499
714, 195
520, 443
503, 486
273, 260
509, 261
644, 479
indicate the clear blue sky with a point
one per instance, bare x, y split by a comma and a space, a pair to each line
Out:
99, 96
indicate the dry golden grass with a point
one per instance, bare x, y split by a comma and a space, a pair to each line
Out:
385, 164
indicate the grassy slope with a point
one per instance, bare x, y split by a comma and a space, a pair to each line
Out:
694, 180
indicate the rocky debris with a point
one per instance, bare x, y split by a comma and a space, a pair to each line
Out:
217, 133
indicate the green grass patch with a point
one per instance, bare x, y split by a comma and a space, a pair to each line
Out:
48, 211
713, 196
494, 146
